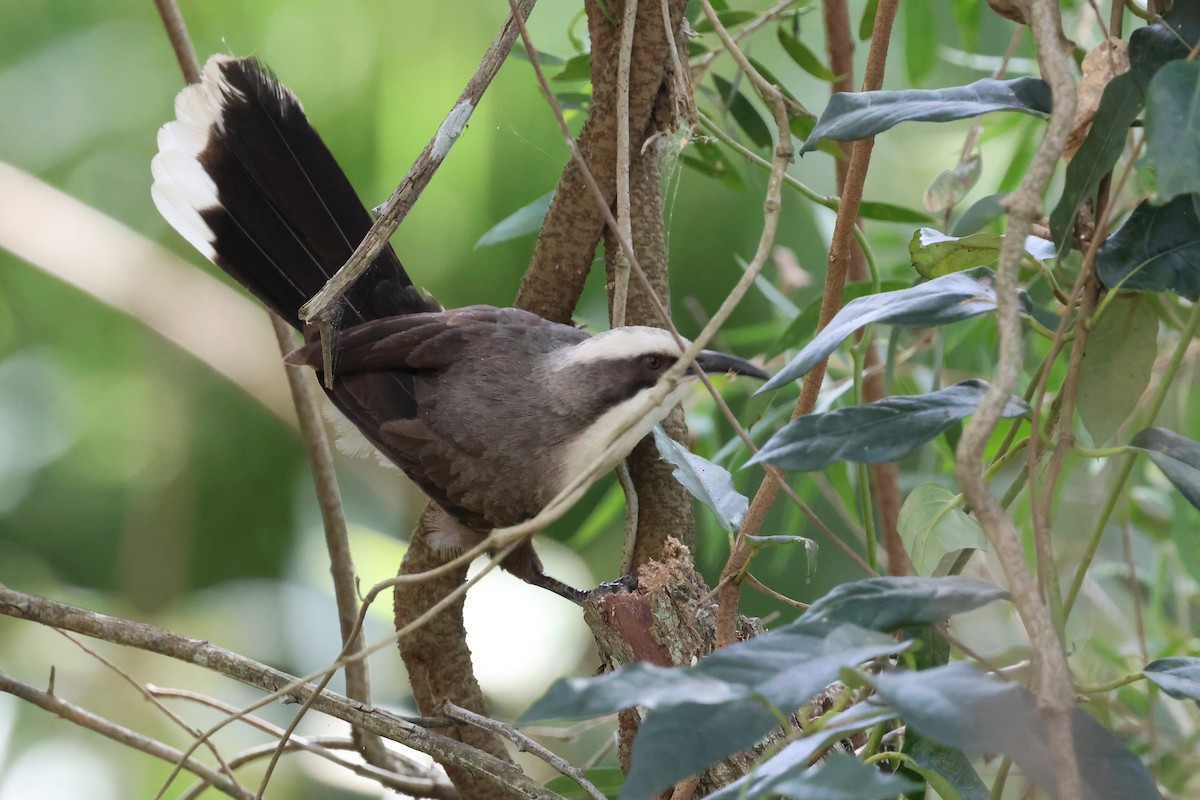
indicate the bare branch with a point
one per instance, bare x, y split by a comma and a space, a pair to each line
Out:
413, 780
1023, 207
393, 212
118, 733
523, 743
252, 673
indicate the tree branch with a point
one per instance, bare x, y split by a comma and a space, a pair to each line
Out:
252, 673
86, 719
1023, 207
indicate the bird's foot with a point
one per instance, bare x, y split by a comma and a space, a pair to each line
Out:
627, 583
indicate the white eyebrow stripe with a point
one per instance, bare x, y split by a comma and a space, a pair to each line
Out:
620, 343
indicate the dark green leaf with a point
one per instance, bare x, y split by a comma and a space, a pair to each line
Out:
890, 213
799, 328
1177, 456
1173, 128
983, 211
579, 68
1157, 249
937, 302
804, 58
717, 707
706, 481
1152, 46
885, 430
743, 112
858, 115
961, 707
1119, 106
729, 18
1178, 677
935, 530
866, 23
947, 763
1121, 349
607, 779
794, 759
525, 220
920, 28
544, 58
889, 603
934, 254
709, 159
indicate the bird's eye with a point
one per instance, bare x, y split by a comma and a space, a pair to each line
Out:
654, 363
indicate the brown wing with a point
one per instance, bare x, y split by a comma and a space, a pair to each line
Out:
426, 356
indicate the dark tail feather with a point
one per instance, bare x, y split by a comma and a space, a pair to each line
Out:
243, 176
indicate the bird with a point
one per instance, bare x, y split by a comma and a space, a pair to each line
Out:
489, 411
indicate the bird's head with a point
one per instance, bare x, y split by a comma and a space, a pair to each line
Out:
610, 374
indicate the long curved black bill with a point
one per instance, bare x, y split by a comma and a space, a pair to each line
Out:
714, 363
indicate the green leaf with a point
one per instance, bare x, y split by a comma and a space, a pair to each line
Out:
743, 112
1119, 106
866, 23
961, 707
804, 58
858, 115
952, 185
579, 68
920, 27
983, 211
707, 482
1173, 128
935, 254
1178, 677
709, 159
607, 779
892, 213
701, 714
1156, 250
522, 222
886, 430
1177, 456
937, 302
764, 781
1121, 349
729, 18
946, 769
890, 603
935, 530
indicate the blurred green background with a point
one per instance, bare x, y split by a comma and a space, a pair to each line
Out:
135, 479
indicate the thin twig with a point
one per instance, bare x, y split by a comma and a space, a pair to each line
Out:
118, 733
1023, 207
337, 541
146, 693
142, 636
621, 267
393, 212
413, 783
523, 743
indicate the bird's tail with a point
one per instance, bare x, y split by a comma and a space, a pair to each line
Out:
241, 174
